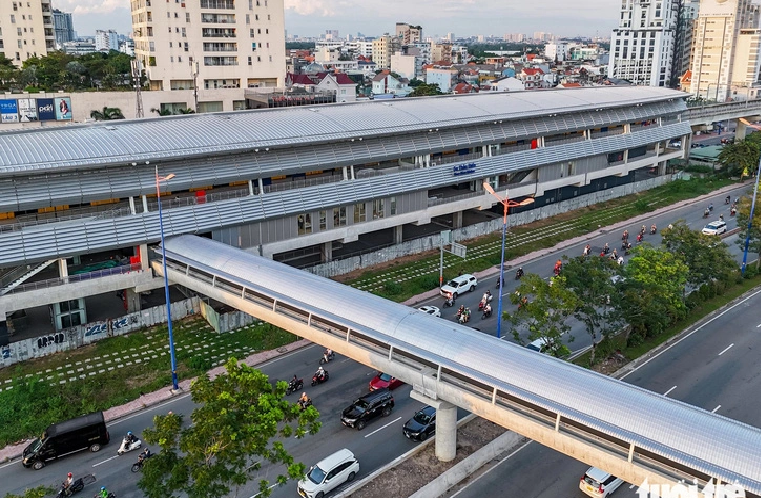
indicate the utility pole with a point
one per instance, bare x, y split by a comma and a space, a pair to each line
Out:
195, 69
137, 71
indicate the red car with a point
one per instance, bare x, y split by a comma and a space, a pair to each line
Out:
382, 380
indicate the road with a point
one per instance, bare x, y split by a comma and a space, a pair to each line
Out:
717, 368
377, 445
578, 338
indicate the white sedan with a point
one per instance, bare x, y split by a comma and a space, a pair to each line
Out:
431, 310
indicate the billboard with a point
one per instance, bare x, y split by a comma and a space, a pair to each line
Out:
8, 111
27, 110
45, 109
63, 108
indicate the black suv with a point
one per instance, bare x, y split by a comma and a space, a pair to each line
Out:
369, 406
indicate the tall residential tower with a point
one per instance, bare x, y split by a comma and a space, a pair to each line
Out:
26, 29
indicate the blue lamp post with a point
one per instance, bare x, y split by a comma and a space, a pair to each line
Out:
159, 179
752, 203
506, 204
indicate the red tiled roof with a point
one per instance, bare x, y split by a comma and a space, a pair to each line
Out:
301, 79
343, 79
531, 71
571, 85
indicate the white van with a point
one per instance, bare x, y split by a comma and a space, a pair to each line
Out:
328, 474
599, 484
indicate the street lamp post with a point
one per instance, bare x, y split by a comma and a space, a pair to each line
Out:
506, 204
752, 202
173, 359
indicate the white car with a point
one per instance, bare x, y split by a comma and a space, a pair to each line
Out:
598, 483
458, 285
431, 310
328, 474
715, 228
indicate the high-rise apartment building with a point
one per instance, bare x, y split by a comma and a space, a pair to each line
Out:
408, 34
383, 47
725, 40
26, 29
106, 41
642, 47
218, 43
64, 28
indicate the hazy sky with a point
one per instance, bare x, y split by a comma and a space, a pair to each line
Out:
462, 17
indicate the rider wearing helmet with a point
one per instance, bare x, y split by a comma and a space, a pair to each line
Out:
103, 492
67, 484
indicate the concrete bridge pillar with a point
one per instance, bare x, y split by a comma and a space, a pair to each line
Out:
142, 251
132, 300
63, 268
398, 234
326, 252
740, 131
457, 219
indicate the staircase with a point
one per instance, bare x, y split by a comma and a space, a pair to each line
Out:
18, 276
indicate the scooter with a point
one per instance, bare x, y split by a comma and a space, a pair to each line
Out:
518, 274
127, 446
316, 380
327, 358
653, 230
76, 486
639, 238
465, 317
293, 386
449, 302
487, 313
306, 405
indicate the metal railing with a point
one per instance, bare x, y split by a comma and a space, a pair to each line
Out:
310, 182
513, 148
372, 173
456, 159
722, 108
436, 201
57, 282
600, 134
96, 215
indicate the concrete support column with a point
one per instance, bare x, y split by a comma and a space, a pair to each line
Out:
145, 204
261, 186
63, 269
446, 431
457, 219
142, 251
626, 156
740, 131
541, 141
627, 128
326, 252
484, 151
346, 173
132, 300
588, 134
428, 160
352, 172
250, 187
398, 234
132, 205
662, 168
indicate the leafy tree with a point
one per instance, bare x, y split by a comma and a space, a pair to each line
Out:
426, 89
652, 289
743, 213
414, 82
742, 155
545, 311
38, 492
593, 280
707, 258
107, 113
232, 432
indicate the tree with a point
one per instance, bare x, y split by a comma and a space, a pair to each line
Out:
743, 214
593, 280
186, 111
162, 112
232, 432
545, 311
107, 113
38, 492
652, 288
706, 257
426, 89
414, 82
742, 155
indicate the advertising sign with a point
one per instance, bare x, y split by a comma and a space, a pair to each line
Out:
45, 109
8, 111
63, 108
27, 110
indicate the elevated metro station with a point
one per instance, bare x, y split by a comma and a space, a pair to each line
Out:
305, 185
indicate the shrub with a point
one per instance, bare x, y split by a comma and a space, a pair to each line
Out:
392, 288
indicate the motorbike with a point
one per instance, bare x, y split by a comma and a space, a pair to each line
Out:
110, 495
519, 274
449, 302
293, 386
317, 380
306, 405
465, 316
459, 313
498, 282
732, 212
653, 230
486, 314
138, 466
77, 486
639, 238
326, 359
705, 214
556, 271
127, 446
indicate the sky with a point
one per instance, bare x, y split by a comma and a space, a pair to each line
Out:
437, 17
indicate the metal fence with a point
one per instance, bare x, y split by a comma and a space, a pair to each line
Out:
56, 282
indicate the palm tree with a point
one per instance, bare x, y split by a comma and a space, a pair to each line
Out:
186, 111
162, 112
743, 154
107, 113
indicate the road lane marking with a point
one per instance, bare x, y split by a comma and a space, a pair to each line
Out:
758, 326
269, 487
697, 329
492, 468
727, 349
667, 392
716, 409
106, 460
9, 464
383, 427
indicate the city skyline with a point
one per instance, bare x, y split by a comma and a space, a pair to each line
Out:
314, 17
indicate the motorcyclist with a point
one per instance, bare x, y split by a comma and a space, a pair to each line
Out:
320, 374
304, 400
706, 213
642, 230
626, 235
327, 354
294, 380
67, 484
653, 228
710, 207
146, 453
606, 249
130, 438
103, 492
460, 310
519, 272
726, 201
487, 309
486, 297
721, 217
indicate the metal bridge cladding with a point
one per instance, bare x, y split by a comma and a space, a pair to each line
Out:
644, 428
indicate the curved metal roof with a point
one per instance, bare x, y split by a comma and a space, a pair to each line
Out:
716, 445
175, 137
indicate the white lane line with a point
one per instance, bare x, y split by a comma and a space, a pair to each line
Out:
720, 315
631, 486
716, 409
383, 427
667, 392
727, 349
758, 326
491, 468
106, 460
9, 464
269, 487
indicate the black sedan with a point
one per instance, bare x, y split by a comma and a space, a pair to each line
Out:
422, 425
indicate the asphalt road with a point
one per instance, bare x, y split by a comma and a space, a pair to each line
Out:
717, 368
375, 446
578, 337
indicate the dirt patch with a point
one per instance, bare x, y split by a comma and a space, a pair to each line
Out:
421, 468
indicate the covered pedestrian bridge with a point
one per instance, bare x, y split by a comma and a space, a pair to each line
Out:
628, 431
